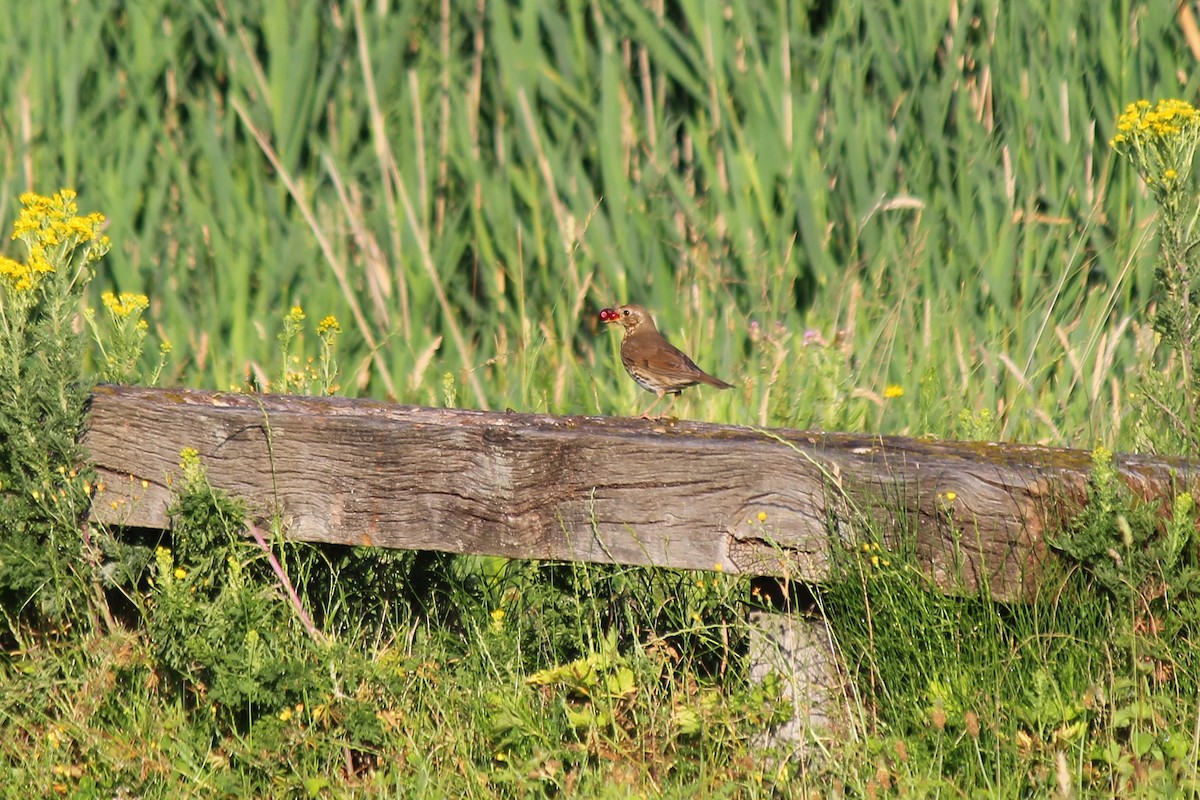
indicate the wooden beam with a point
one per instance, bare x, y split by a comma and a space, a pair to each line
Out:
600, 489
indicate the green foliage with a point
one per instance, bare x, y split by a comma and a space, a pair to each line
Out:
239, 645
54, 568
978, 426
317, 376
1160, 141
960, 692
43, 496
121, 340
1132, 550
809, 385
464, 185
213, 622
1072, 692
610, 704
220, 623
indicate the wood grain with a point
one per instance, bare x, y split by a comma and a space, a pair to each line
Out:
600, 489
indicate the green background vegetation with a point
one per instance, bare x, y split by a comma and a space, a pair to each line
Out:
926, 185
817, 200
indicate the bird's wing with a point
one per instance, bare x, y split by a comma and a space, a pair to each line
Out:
670, 362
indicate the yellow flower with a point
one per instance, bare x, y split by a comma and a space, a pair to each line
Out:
180, 573
51, 232
1160, 140
38, 262
762, 516
951, 497
329, 325
128, 304
18, 276
1166, 118
893, 391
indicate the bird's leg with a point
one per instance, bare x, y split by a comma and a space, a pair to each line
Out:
666, 411
666, 414
657, 400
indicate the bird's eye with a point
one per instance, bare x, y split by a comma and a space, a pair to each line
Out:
626, 312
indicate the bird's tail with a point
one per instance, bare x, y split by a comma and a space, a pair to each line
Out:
711, 380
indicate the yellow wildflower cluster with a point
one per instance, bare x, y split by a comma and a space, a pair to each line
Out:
1167, 118
121, 341
872, 553
189, 458
127, 304
1161, 141
287, 714
51, 230
19, 277
313, 376
191, 466
329, 325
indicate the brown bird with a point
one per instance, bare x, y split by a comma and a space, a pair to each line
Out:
652, 361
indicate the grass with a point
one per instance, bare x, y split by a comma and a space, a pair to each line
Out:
895, 218
465, 187
423, 708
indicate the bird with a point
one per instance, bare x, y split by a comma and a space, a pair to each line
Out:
652, 361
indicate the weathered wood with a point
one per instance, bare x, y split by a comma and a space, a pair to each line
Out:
603, 489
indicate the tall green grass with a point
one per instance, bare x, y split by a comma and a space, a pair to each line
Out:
465, 184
